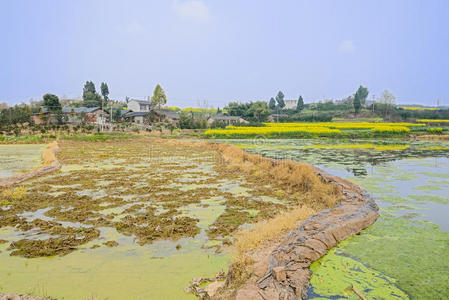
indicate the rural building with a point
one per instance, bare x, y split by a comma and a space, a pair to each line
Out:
166, 115
76, 115
73, 115
139, 105
154, 115
228, 120
136, 116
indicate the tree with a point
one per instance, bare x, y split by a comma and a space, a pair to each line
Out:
259, 110
280, 100
51, 102
237, 109
185, 121
159, 98
300, 104
360, 98
272, 104
90, 96
357, 105
105, 91
362, 94
89, 87
388, 99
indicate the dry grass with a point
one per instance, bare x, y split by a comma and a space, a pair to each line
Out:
437, 137
297, 177
269, 230
49, 156
12, 194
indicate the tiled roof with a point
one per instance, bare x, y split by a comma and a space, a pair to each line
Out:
140, 101
136, 114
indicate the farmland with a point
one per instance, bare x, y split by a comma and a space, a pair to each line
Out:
134, 206
321, 129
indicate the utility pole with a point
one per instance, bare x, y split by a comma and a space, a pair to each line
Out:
101, 114
110, 122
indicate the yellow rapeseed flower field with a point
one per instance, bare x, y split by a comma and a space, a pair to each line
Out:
323, 129
432, 121
418, 108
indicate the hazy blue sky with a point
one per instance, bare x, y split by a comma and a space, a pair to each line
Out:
222, 51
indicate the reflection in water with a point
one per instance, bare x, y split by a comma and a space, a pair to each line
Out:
357, 157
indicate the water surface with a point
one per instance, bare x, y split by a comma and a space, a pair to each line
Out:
19, 158
406, 252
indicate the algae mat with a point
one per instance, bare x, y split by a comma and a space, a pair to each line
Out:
405, 254
19, 158
126, 219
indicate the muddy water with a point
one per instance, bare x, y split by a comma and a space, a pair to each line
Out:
405, 254
125, 220
19, 158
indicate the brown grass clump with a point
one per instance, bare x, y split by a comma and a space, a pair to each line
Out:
49, 156
269, 230
437, 137
293, 176
12, 194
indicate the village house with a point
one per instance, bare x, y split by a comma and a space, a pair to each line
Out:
154, 115
77, 115
72, 115
141, 111
136, 105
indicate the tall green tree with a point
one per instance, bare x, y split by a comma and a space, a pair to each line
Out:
89, 87
90, 96
105, 91
51, 102
362, 94
300, 104
272, 104
159, 98
357, 105
280, 100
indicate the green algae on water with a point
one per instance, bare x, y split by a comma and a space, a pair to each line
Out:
405, 250
336, 273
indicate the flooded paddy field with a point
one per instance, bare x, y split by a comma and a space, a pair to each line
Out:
405, 254
127, 219
19, 158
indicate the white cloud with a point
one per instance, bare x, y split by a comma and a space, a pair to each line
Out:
346, 46
192, 9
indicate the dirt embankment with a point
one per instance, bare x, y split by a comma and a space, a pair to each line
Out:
287, 263
50, 163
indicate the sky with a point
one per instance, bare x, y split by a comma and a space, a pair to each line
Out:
211, 52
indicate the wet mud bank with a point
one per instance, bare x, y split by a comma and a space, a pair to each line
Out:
50, 163
287, 272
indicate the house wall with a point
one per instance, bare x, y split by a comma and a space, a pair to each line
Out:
136, 106
138, 119
290, 104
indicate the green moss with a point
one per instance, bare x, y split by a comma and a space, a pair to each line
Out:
336, 273
430, 198
414, 252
